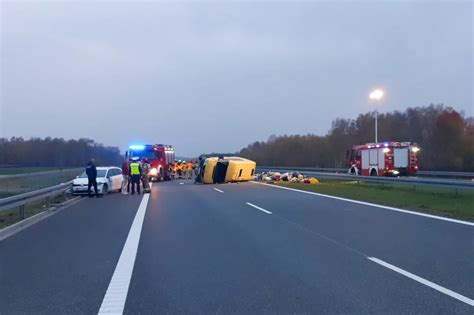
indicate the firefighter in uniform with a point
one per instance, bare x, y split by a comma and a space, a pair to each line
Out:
196, 168
183, 169
145, 179
190, 169
175, 169
179, 169
135, 175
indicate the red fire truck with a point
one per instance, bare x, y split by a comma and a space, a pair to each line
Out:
384, 159
160, 157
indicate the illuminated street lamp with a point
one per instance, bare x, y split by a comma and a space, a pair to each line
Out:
376, 95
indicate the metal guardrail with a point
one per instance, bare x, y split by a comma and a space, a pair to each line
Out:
21, 200
446, 174
439, 174
449, 183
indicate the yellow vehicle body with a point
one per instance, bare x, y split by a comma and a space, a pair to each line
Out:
227, 170
208, 170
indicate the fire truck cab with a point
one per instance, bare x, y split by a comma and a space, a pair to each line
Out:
384, 159
159, 156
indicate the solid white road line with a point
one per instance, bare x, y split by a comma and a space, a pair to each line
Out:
428, 283
116, 295
372, 205
218, 190
258, 208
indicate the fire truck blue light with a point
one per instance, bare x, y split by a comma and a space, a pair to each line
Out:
137, 147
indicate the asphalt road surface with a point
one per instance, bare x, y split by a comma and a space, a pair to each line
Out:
236, 248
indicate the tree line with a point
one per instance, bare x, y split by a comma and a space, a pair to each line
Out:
445, 136
55, 152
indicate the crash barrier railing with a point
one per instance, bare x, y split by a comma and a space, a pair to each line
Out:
22, 183
413, 181
446, 174
21, 200
437, 174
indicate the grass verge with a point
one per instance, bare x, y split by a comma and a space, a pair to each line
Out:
27, 170
12, 216
439, 201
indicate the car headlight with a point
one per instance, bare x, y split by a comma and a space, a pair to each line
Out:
153, 172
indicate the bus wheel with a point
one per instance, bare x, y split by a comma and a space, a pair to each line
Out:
373, 172
353, 171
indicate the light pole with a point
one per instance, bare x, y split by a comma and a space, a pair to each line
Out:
376, 95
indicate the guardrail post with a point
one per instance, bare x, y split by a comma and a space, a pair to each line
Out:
22, 212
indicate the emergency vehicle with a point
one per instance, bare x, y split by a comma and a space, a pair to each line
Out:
160, 157
384, 159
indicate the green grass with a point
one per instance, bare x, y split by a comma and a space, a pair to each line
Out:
25, 170
438, 201
35, 181
12, 216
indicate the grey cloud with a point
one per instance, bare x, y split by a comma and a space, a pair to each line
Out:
232, 72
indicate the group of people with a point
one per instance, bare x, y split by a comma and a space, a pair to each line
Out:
183, 169
134, 172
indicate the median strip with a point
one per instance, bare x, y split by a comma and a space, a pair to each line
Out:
258, 208
421, 280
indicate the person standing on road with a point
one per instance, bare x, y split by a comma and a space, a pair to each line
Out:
196, 168
135, 175
91, 172
145, 179
179, 169
126, 179
174, 169
183, 169
190, 169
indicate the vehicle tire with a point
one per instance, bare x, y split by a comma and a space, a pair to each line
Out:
353, 171
105, 190
373, 172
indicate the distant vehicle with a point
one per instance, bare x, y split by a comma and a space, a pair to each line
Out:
384, 159
218, 170
160, 157
108, 179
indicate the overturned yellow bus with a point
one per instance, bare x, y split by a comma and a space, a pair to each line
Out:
228, 169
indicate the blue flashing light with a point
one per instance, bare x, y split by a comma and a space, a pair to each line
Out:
385, 144
137, 147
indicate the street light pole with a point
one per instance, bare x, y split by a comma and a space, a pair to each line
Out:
376, 95
376, 115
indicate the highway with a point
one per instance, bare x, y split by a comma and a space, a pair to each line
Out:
237, 248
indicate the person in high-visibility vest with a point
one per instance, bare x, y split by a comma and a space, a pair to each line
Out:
190, 169
178, 169
135, 175
174, 168
183, 169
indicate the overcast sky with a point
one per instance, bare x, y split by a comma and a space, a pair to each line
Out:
216, 76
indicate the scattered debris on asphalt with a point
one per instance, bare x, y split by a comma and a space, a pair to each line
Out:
293, 177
